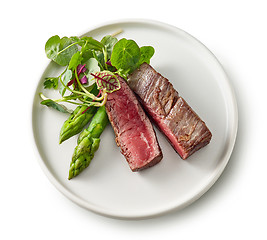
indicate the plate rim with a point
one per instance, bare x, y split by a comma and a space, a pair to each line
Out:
105, 212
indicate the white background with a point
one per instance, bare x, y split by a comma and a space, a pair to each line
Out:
234, 208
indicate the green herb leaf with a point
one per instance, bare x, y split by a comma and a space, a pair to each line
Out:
86, 54
146, 54
75, 39
109, 43
125, 55
99, 56
60, 50
52, 47
92, 44
92, 67
55, 105
51, 82
107, 80
67, 76
75, 61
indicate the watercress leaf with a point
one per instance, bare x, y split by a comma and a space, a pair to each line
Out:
146, 54
51, 82
67, 76
107, 80
86, 54
60, 50
66, 51
52, 47
92, 44
92, 67
75, 39
99, 56
109, 43
75, 61
125, 55
55, 105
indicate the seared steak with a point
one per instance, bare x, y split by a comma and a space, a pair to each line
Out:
172, 115
134, 132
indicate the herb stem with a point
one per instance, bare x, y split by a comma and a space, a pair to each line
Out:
65, 99
76, 103
79, 83
105, 57
100, 65
73, 91
84, 89
67, 47
87, 94
116, 33
98, 104
43, 96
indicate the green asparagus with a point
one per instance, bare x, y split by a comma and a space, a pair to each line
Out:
88, 143
76, 122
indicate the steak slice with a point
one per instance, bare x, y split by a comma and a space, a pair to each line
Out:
134, 132
172, 115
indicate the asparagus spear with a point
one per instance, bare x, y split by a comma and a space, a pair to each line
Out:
76, 122
88, 143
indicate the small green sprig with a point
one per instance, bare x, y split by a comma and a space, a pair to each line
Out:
127, 56
89, 62
74, 53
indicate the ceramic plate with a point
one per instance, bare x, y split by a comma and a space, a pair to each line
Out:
107, 186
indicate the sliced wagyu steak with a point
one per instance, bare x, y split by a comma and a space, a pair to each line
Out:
171, 114
134, 132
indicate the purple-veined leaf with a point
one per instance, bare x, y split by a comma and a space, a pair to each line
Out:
106, 80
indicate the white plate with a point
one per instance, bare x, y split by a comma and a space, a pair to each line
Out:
108, 186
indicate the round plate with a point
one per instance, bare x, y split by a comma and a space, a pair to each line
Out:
108, 186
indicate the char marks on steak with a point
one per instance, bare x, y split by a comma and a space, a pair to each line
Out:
172, 115
134, 132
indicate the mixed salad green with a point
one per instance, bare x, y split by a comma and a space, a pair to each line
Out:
90, 74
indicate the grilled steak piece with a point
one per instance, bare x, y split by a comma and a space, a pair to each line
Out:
134, 132
172, 115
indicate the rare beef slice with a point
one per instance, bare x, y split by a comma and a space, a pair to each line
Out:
134, 132
171, 114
